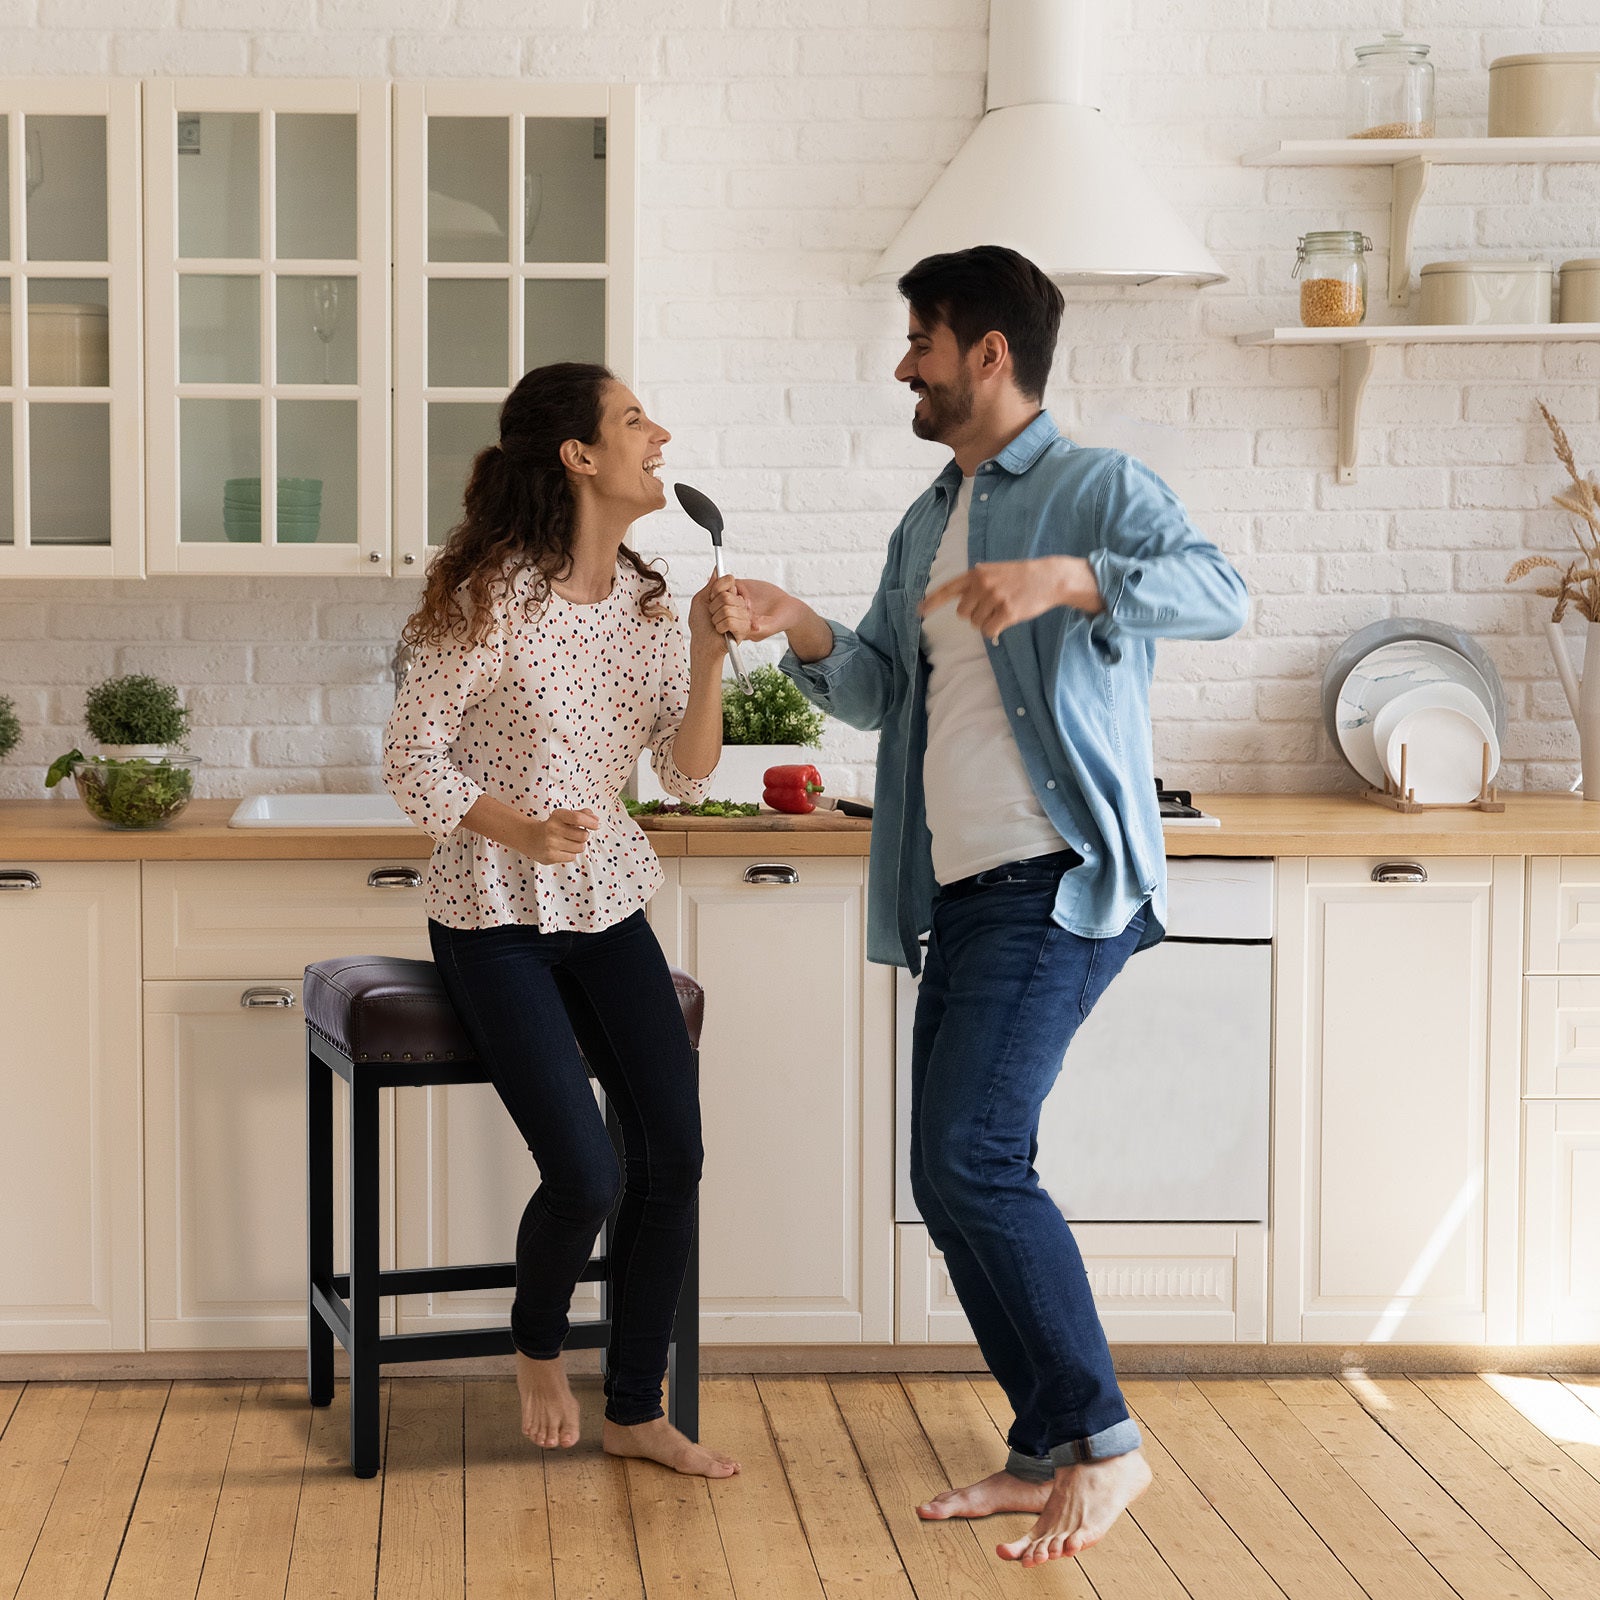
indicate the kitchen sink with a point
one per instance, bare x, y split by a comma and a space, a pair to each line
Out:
318, 811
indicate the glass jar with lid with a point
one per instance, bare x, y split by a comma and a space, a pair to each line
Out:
1391, 90
1332, 269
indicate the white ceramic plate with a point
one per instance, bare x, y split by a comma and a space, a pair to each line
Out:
1444, 754
1379, 677
1430, 694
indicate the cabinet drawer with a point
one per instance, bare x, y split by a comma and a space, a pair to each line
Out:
1561, 1223
1564, 914
237, 919
1562, 1019
1340, 872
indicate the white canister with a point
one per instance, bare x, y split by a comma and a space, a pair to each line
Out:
1580, 290
1479, 292
69, 345
1545, 96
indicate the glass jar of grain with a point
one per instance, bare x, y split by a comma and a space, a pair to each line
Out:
1332, 270
1391, 90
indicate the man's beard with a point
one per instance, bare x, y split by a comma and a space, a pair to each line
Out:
947, 407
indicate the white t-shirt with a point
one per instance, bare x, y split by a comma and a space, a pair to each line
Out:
982, 811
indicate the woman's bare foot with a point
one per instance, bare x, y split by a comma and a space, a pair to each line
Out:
549, 1407
1000, 1491
1085, 1500
660, 1441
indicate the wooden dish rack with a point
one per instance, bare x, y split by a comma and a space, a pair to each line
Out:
1400, 797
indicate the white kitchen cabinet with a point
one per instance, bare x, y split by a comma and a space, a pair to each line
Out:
225, 1166
1153, 1283
1563, 914
71, 502
1561, 1223
72, 1268
1398, 1044
1562, 1029
796, 1089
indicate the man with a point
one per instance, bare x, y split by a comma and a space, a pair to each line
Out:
1006, 659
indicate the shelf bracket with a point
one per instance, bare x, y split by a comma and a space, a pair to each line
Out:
1355, 367
1410, 179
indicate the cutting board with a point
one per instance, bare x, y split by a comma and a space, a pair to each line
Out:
764, 822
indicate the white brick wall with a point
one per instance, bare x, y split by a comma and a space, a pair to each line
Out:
783, 142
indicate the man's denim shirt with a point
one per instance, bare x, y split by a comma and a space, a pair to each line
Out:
1076, 688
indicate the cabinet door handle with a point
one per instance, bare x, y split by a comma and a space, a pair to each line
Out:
1399, 872
394, 878
770, 872
20, 878
267, 995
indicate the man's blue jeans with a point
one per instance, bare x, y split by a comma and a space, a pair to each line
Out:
1003, 991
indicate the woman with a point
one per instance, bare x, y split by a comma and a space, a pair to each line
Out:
546, 657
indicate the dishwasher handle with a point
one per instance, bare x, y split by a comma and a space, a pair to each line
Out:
1399, 872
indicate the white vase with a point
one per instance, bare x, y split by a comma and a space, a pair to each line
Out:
1583, 695
738, 771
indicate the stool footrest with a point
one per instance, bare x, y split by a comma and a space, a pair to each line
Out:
436, 1280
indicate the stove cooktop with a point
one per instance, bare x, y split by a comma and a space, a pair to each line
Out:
1178, 809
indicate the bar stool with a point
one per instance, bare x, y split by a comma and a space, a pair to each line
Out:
382, 1022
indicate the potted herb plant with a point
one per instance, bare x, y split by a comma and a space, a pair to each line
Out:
136, 781
765, 729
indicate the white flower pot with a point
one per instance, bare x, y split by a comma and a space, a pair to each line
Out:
738, 771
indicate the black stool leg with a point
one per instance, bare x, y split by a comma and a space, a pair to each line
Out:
608, 1234
319, 1222
363, 1277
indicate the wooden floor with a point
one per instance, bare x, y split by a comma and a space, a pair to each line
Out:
1486, 1487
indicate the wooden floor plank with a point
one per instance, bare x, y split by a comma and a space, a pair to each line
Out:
252, 1536
1507, 1437
850, 1542
1457, 1548
1240, 1490
422, 1531
507, 1515
592, 1549
82, 1532
1196, 1544
969, 1447
942, 1559
165, 1545
680, 1549
10, 1394
762, 1539
34, 1451
1378, 1556
1552, 1407
1563, 1567
335, 1554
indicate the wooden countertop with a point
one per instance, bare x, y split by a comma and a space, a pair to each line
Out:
1252, 825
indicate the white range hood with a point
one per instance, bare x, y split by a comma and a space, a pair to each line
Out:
1044, 174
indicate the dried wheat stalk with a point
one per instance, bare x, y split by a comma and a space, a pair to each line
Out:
1579, 584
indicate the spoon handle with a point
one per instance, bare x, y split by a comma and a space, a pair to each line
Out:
740, 675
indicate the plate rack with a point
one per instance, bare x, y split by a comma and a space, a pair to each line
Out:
1399, 796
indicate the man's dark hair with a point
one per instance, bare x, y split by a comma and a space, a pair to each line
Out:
990, 288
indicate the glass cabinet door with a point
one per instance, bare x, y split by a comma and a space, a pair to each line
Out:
267, 242
69, 330
514, 247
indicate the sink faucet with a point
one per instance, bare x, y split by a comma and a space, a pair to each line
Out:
399, 664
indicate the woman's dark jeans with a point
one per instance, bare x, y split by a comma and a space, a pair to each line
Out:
529, 1000
1003, 992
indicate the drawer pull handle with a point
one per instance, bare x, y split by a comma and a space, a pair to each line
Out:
20, 878
771, 872
267, 995
1399, 872
394, 878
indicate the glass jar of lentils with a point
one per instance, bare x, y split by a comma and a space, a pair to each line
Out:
1391, 90
1332, 270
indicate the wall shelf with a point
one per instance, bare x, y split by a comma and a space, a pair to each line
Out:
1409, 162
1356, 345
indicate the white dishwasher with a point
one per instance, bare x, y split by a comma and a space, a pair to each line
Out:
1162, 1109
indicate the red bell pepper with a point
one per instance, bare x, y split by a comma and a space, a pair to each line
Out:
791, 788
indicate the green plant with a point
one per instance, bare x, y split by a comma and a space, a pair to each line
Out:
135, 710
10, 725
777, 713
677, 808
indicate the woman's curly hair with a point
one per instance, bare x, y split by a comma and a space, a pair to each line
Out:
518, 510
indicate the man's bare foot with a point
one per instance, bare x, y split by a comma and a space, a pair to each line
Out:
1000, 1491
549, 1407
660, 1441
1085, 1500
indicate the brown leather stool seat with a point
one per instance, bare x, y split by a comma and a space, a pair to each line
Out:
382, 1022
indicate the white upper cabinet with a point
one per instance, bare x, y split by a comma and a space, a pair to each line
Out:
267, 326
514, 246
70, 470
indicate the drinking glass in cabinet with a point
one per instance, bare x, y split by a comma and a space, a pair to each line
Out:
456, 433
316, 186
317, 443
66, 188
218, 441
317, 330
7, 480
564, 189
564, 320
468, 333
68, 343
1332, 270
469, 179
69, 473
219, 328
1391, 90
219, 186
